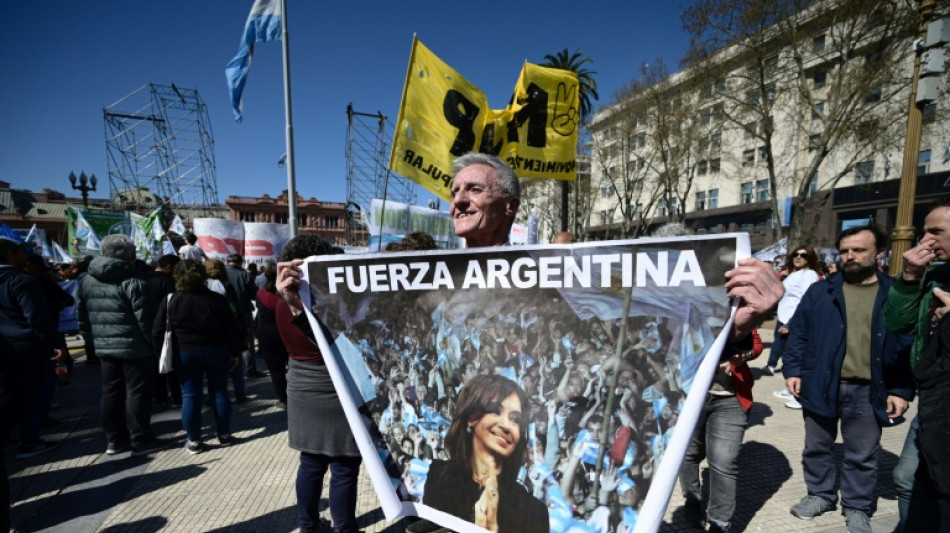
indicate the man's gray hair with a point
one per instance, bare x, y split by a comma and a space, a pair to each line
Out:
672, 229
506, 177
118, 246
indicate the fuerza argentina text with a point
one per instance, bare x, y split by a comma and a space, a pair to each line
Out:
547, 272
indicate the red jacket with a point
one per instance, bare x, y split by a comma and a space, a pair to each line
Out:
742, 380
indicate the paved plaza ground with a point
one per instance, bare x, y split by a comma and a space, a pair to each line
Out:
249, 487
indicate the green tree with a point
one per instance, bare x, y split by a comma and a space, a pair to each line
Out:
587, 91
575, 62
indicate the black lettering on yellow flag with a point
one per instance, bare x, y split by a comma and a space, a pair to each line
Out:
443, 116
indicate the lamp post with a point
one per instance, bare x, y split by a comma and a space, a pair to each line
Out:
902, 236
83, 186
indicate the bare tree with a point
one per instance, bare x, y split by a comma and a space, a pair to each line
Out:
648, 147
815, 85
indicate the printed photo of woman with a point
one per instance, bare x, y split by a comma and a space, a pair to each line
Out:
486, 445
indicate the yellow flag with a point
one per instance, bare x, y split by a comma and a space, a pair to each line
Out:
443, 116
545, 113
440, 118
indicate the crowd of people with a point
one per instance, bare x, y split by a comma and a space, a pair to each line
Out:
504, 410
422, 362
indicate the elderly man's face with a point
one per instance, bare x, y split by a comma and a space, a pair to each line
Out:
479, 209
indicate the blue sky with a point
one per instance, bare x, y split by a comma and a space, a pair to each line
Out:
65, 61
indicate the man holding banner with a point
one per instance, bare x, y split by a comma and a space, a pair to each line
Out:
482, 210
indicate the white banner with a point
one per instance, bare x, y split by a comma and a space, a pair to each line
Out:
506, 354
399, 220
255, 241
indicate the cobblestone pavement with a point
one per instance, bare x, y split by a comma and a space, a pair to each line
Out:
249, 487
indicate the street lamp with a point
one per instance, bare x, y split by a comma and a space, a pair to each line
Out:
83, 187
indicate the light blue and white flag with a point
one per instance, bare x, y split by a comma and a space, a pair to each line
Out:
167, 247
31, 236
263, 25
84, 231
60, 255
177, 226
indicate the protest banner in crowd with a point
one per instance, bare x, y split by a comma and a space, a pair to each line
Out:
394, 220
443, 116
255, 241
504, 389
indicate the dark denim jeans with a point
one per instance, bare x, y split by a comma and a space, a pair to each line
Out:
861, 435
717, 438
127, 399
191, 367
238, 378
778, 345
916, 501
344, 474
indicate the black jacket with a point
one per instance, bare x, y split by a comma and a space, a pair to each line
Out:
450, 488
199, 319
25, 322
116, 309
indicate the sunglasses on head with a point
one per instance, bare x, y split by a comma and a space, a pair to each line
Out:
800, 254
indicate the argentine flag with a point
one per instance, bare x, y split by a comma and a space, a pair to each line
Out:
263, 25
177, 226
84, 232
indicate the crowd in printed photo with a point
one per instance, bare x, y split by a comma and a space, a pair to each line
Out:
422, 349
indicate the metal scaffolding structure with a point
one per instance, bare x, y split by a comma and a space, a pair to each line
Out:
159, 138
368, 140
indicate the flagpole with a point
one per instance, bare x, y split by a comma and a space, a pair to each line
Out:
291, 176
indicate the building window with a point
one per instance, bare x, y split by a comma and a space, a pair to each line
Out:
748, 157
701, 200
864, 172
702, 167
874, 95
763, 153
604, 217
714, 165
745, 192
748, 130
721, 86
637, 212
818, 110
759, 228
664, 210
752, 100
762, 190
770, 92
814, 142
819, 79
813, 185
818, 43
280, 218
641, 163
705, 116
302, 220
923, 162
607, 191
715, 141
929, 113
246, 216
746, 228
718, 113
712, 199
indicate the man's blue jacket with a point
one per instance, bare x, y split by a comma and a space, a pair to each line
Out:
817, 339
